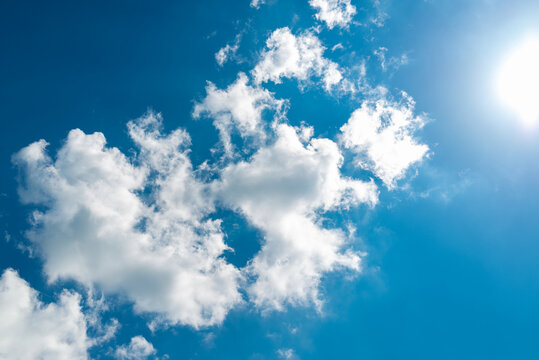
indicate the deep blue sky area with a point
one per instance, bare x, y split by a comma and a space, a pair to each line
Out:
451, 270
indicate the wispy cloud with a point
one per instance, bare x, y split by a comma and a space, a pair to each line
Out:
228, 52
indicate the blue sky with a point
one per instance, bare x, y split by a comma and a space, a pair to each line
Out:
340, 219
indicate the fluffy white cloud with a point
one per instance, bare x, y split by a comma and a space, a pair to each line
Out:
138, 349
30, 329
334, 12
240, 107
280, 190
381, 133
300, 57
163, 253
160, 253
142, 227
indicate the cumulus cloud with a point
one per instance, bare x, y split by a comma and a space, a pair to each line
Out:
299, 57
142, 228
280, 190
145, 227
381, 134
239, 108
138, 349
161, 253
30, 329
334, 12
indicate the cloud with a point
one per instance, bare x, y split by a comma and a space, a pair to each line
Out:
281, 191
380, 16
334, 12
239, 108
30, 329
160, 253
442, 186
145, 227
256, 3
392, 63
287, 354
138, 349
299, 57
336, 47
381, 134
228, 51
141, 228
225, 53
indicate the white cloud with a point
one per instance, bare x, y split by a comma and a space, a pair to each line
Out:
30, 329
228, 51
380, 16
256, 3
280, 190
160, 253
163, 252
225, 53
287, 354
300, 57
334, 12
381, 133
240, 107
138, 349
146, 220
391, 63
144, 227
338, 46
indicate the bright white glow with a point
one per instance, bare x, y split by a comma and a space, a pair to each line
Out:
518, 82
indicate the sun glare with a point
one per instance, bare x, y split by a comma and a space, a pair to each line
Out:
518, 82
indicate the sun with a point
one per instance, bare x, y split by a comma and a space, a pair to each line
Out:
518, 81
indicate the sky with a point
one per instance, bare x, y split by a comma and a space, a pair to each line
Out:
301, 179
